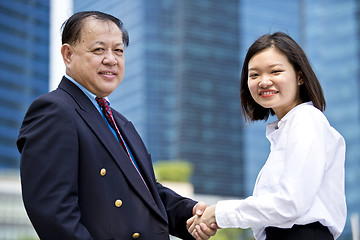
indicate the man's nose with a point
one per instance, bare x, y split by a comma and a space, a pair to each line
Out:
110, 58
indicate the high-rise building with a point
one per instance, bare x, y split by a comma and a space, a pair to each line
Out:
269, 17
331, 39
182, 77
14, 223
328, 32
24, 75
181, 85
24, 67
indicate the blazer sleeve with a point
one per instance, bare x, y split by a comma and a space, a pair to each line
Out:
179, 210
49, 170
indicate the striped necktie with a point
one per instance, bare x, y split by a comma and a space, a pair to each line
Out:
104, 104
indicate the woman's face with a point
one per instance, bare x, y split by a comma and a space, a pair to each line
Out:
273, 82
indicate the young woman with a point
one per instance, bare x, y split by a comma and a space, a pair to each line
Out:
299, 193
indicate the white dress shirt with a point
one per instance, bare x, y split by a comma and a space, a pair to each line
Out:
302, 181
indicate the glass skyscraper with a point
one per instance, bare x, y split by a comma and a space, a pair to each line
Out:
182, 79
24, 75
256, 19
181, 85
24, 67
328, 31
332, 42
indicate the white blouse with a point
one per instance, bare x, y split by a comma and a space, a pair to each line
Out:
302, 181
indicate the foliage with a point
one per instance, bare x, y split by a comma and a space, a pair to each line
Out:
181, 171
173, 171
233, 234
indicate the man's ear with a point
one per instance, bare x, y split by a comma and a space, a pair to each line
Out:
67, 52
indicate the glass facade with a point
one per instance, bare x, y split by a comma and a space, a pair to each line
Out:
181, 85
209, 125
24, 75
256, 19
328, 31
335, 56
24, 67
182, 77
14, 223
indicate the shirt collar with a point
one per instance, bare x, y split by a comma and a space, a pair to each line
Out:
291, 112
277, 124
89, 94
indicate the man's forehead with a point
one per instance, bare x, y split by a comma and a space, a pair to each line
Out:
91, 22
103, 43
93, 27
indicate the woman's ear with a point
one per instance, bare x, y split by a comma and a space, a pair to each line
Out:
300, 78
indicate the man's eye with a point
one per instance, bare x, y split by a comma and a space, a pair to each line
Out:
98, 50
119, 51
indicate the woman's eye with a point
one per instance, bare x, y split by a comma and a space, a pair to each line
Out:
276, 71
252, 75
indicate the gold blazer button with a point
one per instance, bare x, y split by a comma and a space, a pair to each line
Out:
136, 235
103, 172
118, 203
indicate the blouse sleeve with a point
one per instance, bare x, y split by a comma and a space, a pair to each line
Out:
303, 164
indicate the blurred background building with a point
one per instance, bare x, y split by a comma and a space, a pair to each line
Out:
24, 67
24, 75
181, 85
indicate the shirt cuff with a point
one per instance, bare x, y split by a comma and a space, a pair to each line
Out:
227, 214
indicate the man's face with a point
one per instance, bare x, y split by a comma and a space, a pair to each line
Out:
97, 60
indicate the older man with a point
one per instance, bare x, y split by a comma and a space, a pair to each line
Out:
85, 171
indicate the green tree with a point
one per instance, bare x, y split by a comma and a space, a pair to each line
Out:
233, 234
173, 171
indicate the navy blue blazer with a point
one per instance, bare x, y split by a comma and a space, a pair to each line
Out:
78, 182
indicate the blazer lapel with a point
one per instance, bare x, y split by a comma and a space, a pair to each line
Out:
139, 151
101, 129
97, 124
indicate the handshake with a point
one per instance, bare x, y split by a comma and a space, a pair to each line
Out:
203, 224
